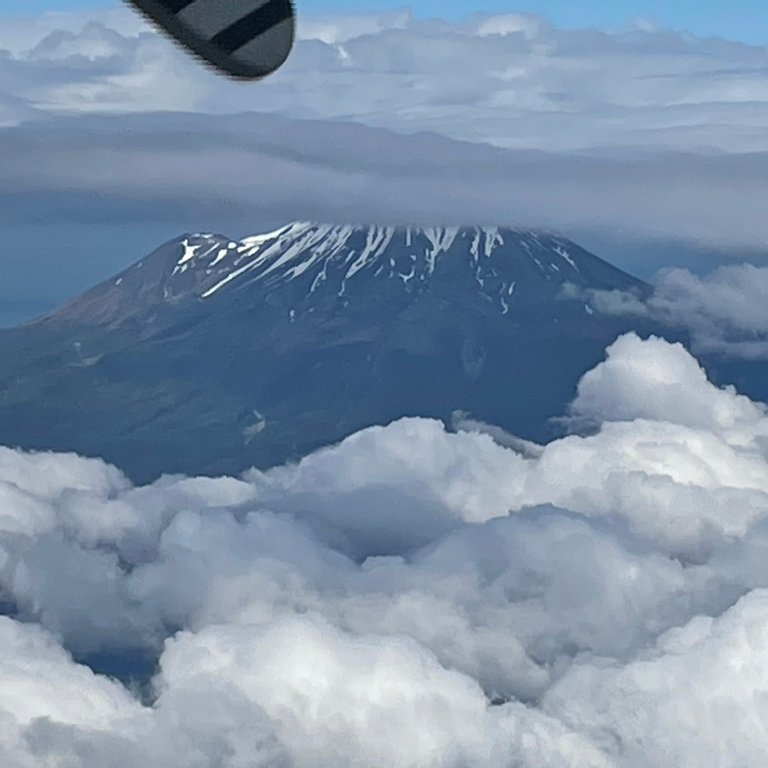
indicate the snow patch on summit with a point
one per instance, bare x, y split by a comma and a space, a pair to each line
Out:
441, 240
312, 255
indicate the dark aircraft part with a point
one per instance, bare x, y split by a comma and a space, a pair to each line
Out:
244, 39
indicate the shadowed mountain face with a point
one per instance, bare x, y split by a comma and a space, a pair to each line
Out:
211, 356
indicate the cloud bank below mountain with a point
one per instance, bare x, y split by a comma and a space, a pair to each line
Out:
599, 602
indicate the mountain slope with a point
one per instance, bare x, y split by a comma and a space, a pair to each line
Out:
313, 262
212, 355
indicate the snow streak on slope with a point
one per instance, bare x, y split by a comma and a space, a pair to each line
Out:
337, 257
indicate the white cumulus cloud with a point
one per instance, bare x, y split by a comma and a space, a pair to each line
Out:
411, 596
724, 311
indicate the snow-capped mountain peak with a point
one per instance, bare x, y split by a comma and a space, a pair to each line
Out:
337, 258
304, 264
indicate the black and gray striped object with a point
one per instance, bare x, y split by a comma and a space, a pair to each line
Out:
245, 39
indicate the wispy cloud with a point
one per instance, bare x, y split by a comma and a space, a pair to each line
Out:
724, 311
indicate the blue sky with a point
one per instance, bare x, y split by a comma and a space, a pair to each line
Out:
745, 20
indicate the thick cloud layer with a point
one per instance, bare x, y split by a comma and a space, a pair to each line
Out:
251, 168
411, 597
513, 79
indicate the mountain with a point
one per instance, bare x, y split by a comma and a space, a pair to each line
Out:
212, 355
